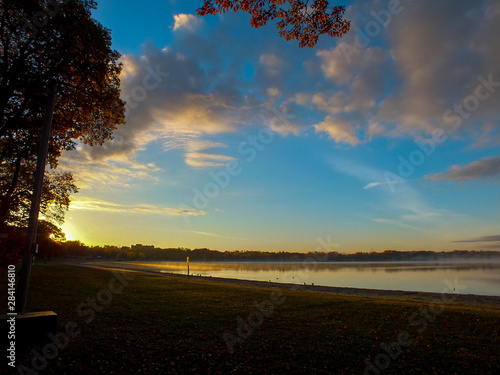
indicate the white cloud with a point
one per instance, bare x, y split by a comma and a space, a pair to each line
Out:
116, 171
92, 204
186, 22
273, 92
372, 185
202, 159
341, 70
421, 65
272, 63
339, 130
194, 146
439, 65
352, 94
280, 121
399, 85
170, 100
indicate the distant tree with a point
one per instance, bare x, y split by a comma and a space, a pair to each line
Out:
75, 249
304, 21
40, 40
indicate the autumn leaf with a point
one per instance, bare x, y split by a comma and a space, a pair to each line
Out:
297, 20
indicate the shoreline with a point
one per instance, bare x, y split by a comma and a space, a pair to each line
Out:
473, 300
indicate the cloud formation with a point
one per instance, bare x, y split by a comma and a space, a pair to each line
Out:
207, 84
117, 170
170, 101
187, 22
487, 168
339, 130
215, 81
423, 63
92, 204
495, 238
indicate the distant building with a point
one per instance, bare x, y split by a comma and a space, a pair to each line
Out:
140, 246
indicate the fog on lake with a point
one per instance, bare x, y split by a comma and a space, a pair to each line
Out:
478, 277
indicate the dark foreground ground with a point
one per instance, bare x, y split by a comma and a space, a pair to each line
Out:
139, 323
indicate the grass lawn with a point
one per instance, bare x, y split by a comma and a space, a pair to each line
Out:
170, 325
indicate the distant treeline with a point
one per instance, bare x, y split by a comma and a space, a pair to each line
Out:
75, 249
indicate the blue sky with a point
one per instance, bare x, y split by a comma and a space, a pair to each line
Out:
387, 138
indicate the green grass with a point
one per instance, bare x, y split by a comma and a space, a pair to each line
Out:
171, 325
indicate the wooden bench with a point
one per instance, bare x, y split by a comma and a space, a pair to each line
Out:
30, 328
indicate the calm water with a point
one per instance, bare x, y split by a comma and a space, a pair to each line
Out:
478, 277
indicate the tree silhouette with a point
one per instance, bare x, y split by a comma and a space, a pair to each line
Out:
57, 188
304, 21
40, 41
49, 238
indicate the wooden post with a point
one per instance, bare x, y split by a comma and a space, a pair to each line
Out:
188, 266
30, 245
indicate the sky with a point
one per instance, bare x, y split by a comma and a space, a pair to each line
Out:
235, 139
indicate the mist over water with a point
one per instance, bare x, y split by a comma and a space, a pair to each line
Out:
478, 277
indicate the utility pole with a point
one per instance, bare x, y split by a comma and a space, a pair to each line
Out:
30, 245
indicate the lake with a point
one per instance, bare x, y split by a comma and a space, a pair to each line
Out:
478, 277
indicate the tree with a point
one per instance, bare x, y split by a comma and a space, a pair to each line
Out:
297, 19
11, 244
57, 188
75, 249
41, 40
49, 238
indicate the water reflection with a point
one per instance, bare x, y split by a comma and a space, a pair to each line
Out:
480, 277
